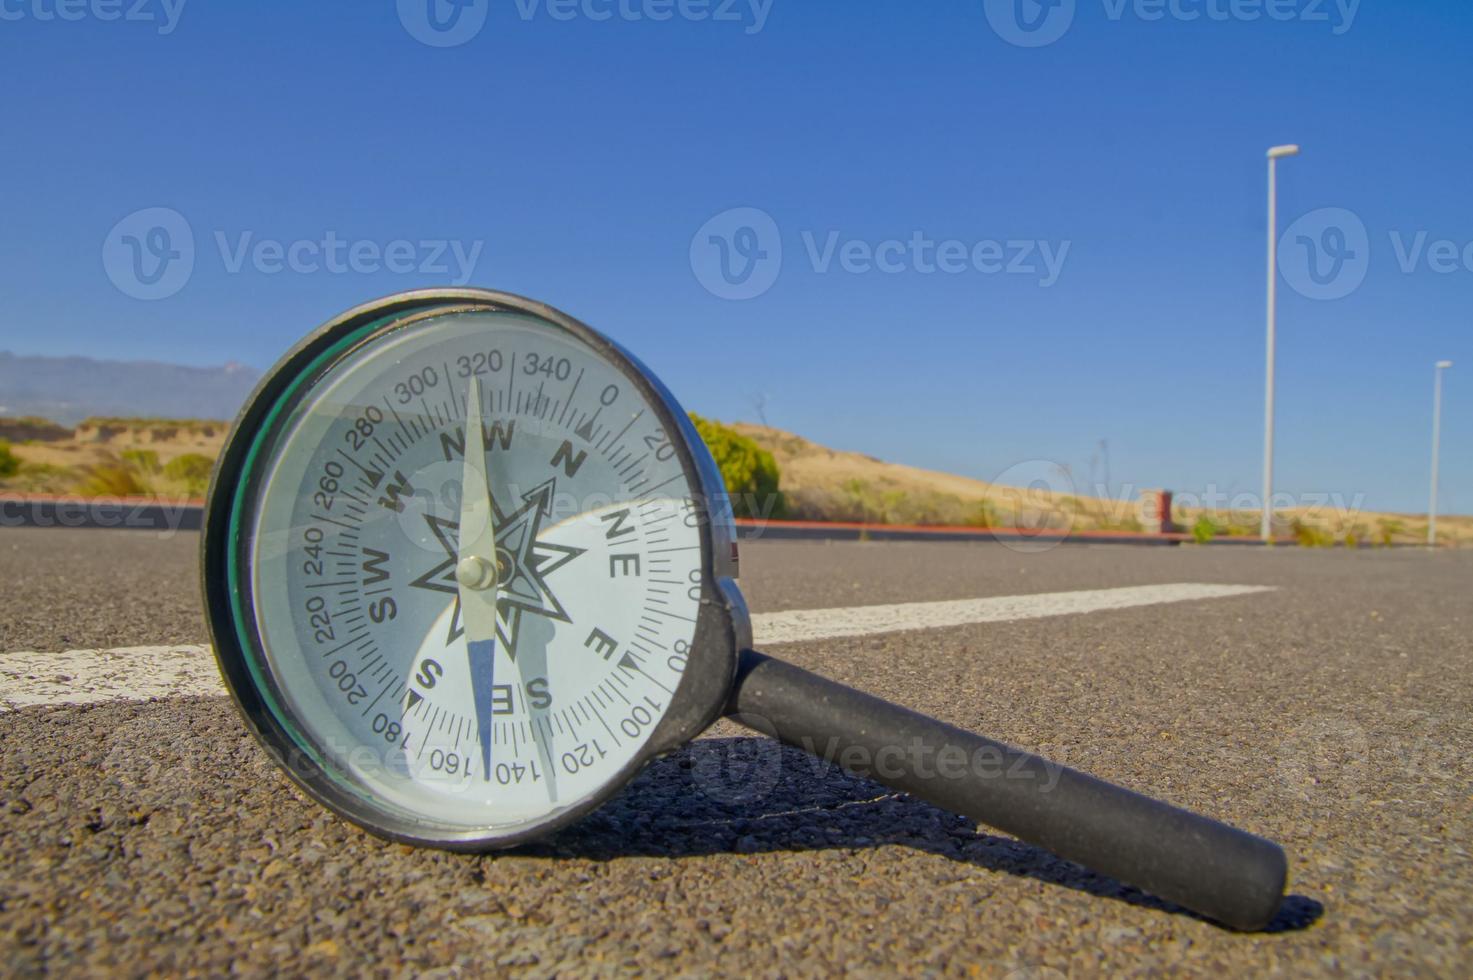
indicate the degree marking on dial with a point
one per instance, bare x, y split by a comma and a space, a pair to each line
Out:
397, 418
614, 440
571, 392
424, 404
657, 486
346, 527
629, 662
345, 644
632, 464
608, 729
669, 615
376, 700
586, 428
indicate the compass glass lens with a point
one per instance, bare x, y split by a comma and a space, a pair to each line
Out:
473, 662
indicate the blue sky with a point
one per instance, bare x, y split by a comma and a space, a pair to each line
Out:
576, 156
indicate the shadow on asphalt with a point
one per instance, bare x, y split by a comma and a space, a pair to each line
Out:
184, 775
753, 795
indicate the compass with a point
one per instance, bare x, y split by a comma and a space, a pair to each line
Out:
468, 567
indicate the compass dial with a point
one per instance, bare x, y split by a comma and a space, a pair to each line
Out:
467, 568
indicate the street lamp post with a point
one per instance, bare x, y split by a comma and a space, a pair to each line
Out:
1274, 153
1436, 438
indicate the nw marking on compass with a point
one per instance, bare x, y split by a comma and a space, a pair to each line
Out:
525, 563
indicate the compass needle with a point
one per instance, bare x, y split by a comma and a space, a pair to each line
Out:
477, 571
476, 671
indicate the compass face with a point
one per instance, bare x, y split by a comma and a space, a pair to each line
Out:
445, 680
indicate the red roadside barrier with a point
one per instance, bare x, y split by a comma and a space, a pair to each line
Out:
186, 514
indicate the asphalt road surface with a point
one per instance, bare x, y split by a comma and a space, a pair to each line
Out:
1331, 714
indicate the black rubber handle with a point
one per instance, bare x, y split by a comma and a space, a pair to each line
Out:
1206, 866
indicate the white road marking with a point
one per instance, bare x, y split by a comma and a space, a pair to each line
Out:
124, 674
189, 670
825, 624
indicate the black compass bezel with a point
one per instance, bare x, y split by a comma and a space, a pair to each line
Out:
722, 628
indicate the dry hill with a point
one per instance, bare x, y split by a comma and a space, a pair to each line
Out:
834, 485
105, 456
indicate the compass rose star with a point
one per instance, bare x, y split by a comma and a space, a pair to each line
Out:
525, 563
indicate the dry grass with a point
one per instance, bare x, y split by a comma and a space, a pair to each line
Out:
827, 484
114, 457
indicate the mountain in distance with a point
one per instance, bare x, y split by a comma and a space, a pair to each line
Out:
70, 389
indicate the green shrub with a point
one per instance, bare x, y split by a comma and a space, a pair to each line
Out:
749, 471
1310, 536
1205, 529
191, 469
44, 478
984, 514
9, 462
144, 460
1388, 530
1108, 522
860, 502
114, 479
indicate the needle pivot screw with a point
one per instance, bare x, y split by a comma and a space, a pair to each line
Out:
475, 572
